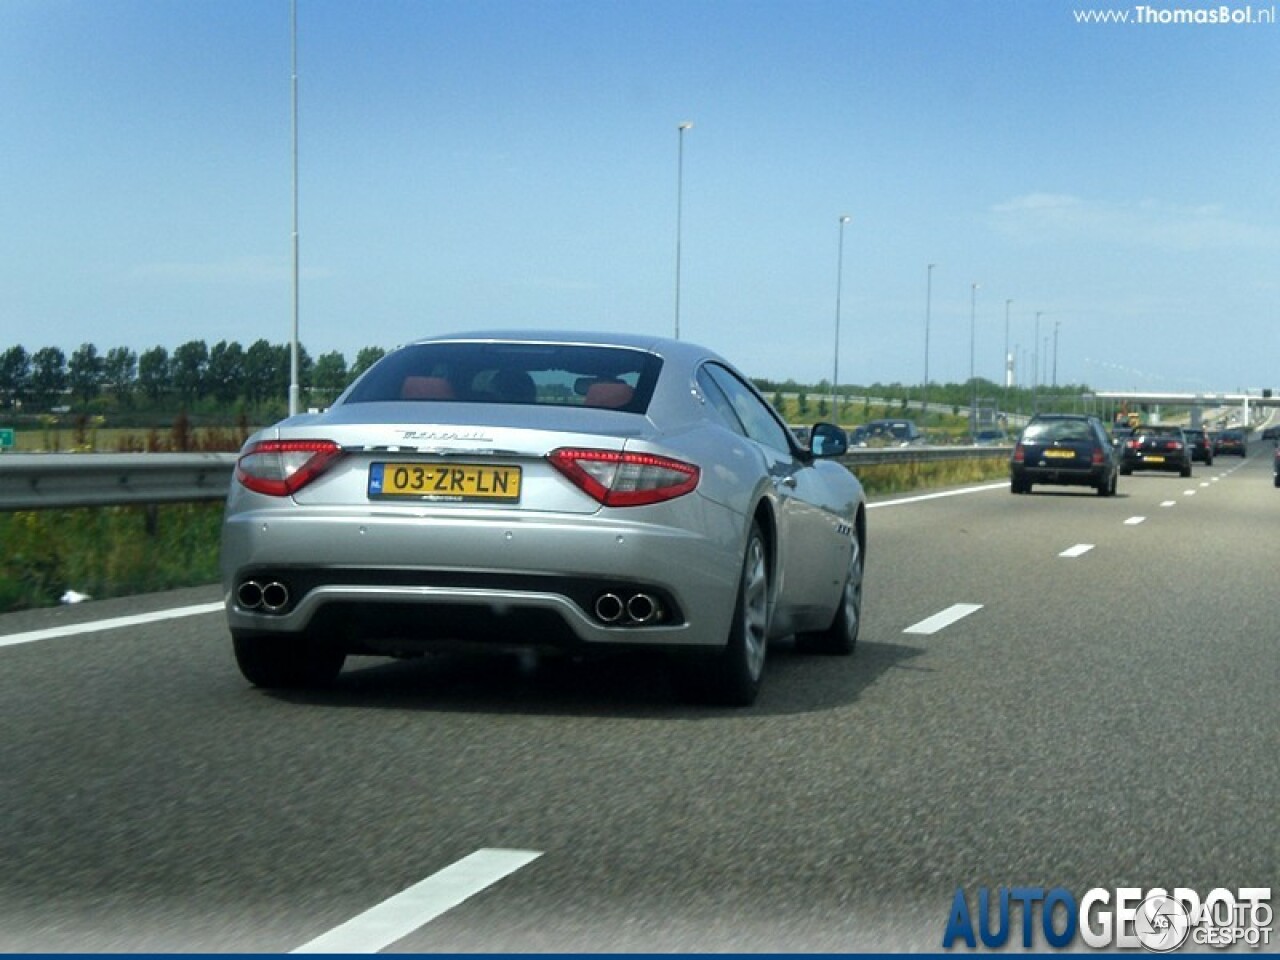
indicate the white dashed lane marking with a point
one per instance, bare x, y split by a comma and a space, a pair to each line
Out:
393, 919
1079, 550
944, 619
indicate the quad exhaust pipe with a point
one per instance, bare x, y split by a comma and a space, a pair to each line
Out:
635, 609
270, 597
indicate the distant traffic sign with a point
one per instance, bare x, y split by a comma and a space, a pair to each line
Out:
6, 438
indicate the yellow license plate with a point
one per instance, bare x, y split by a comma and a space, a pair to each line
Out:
1153, 458
1060, 454
445, 481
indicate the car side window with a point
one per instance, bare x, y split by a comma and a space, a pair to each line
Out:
716, 399
760, 424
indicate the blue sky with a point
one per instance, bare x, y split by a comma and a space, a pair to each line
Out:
513, 163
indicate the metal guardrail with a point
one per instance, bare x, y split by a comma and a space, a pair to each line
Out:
39, 481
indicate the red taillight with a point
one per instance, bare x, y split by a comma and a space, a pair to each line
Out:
617, 479
1098, 456
280, 468
1019, 455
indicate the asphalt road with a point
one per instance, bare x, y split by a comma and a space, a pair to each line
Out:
1100, 719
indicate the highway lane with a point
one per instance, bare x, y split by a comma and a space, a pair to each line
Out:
1099, 720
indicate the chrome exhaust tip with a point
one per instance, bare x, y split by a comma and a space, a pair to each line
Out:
249, 595
275, 597
609, 608
642, 608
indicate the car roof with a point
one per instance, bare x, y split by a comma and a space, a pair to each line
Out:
663, 346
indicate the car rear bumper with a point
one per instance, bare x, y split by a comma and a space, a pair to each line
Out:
375, 583
1090, 477
1167, 464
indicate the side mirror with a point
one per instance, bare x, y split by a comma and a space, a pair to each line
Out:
828, 440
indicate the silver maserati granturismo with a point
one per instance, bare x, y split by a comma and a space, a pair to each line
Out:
544, 491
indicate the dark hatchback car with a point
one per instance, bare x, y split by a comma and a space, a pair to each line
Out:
1230, 441
1156, 447
1201, 445
1064, 449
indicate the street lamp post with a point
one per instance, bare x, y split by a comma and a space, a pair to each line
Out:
1055, 353
835, 365
687, 125
1035, 367
1008, 360
973, 338
294, 389
928, 302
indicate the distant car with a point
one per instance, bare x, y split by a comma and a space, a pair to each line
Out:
1156, 447
542, 491
1232, 442
1201, 445
893, 432
1275, 467
1064, 449
1271, 433
990, 438
858, 436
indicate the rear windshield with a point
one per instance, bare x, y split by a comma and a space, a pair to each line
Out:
1050, 431
616, 378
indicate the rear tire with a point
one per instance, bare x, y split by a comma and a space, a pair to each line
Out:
731, 678
841, 637
278, 661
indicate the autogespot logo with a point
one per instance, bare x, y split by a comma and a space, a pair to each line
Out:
1127, 918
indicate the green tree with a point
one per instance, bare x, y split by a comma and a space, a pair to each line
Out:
84, 373
225, 372
260, 374
153, 373
119, 373
188, 368
365, 359
330, 375
48, 375
15, 375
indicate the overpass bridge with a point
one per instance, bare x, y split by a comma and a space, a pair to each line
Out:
1196, 401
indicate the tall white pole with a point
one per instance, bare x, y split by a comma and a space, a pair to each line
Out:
1008, 357
928, 302
835, 364
679, 209
294, 389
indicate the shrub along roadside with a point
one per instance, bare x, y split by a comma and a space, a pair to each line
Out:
105, 552
112, 551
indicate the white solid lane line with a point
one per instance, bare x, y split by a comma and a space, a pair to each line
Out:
399, 916
72, 629
920, 498
938, 621
1079, 550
